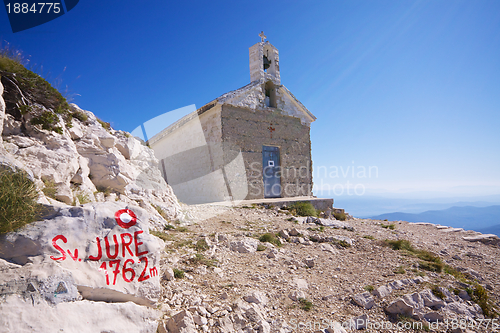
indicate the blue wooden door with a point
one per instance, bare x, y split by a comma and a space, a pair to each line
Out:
271, 171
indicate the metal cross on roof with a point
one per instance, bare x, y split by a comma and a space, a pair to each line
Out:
262, 36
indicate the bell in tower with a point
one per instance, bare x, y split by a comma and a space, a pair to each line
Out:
267, 63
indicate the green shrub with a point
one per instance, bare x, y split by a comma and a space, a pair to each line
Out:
201, 245
23, 84
369, 237
261, 247
47, 120
399, 270
161, 212
18, 196
400, 244
369, 288
105, 190
341, 243
106, 125
178, 274
200, 259
303, 208
427, 256
437, 292
50, 189
431, 266
430, 261
455, 273
160, 235
270, 238
80, 116
388, 226
305, 304
340, 216
83, 198
480, 296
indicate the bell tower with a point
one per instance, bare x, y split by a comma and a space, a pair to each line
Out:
264, 62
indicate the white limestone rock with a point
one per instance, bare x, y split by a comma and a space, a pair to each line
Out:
19, 314
168, 274
75, 131
399, 306
484, 238
382, 291
327, 247
431, 300
300, 283
365, 300
182, 322
104, 261
256, 297
245, 245
473, 311
309, 262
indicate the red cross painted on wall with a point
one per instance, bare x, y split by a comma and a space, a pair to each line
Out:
271, 130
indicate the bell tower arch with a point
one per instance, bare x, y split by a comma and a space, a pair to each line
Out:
264, 62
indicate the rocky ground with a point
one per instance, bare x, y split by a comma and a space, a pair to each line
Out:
320, 275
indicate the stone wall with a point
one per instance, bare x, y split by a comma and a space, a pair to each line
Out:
249, 130
191, 157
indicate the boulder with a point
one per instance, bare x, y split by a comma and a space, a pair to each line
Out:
245, 245
365, 300
464, 295
434, 316
309, 262
382, 291
168, 274
284, 234
300, 283
484, 238
332, 223
88, 250
182, 322
399, 306
328, 248
473, 311
256, 297
431, 300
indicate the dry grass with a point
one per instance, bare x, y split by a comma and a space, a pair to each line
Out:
18, 196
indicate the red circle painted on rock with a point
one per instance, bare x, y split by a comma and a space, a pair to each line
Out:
125, 218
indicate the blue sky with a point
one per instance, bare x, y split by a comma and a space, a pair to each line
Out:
409, 87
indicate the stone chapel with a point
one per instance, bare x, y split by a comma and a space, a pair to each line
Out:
250, 143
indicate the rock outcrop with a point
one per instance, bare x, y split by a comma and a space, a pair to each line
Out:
91, 261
